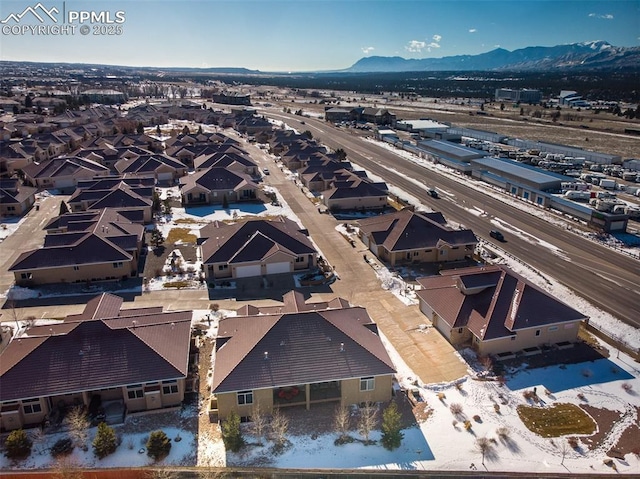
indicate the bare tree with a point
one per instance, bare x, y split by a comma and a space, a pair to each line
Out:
564, 450
259, 422
66, 468
163, 473
78, 424
342, 421
367, 421
279, 427
484, 446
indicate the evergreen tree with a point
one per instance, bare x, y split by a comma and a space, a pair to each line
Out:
105, 442
391, 427
225, 202
200, 130
18, 445
140, 128
28, 101
156, 237
158, 445
231, 433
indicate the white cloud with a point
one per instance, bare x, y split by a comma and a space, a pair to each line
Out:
472, 30
437, 38
367, 50
432, 45
606, 16
415, 46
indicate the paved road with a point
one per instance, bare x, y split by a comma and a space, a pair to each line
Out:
604, 277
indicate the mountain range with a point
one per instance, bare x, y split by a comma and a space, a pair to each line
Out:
596, 55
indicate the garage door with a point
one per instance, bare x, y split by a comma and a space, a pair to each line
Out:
165, 176
275, 268
246, 271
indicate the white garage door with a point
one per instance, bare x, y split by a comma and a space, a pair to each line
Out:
275, 268
246, 271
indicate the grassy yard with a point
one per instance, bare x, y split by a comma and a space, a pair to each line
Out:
557, 420
180, 234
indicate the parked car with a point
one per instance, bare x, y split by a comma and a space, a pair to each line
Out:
495, 234
265, 171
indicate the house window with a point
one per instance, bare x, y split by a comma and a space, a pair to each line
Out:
31, 406
300, 259
222, 267
76, 268
513, 338
416, 253
428, 250
553, 328
537, 332
26, 275
135, 391
170, 387
245, 397
367, 384
459, 330
117, 264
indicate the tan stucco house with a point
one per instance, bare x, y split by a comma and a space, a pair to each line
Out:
298, 354
496, 311
411, 237
113, 361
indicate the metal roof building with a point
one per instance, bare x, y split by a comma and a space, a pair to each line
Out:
513, 171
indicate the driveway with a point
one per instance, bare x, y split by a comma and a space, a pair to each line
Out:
28, 236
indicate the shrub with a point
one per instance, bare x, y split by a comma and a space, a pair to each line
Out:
391, 428
468, 425
503, 432
18, 445
158, 445
477, 418
496, 407
62, 447
231, 433
105, 442
442, 396
456, 409
627, 387
573, 442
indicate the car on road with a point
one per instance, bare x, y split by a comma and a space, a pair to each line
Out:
496, 234
433, 193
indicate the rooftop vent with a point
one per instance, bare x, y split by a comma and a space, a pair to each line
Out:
342, 347
266, 355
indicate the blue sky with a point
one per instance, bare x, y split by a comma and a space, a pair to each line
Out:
309, 35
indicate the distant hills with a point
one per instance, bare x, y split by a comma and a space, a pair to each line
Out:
596, 55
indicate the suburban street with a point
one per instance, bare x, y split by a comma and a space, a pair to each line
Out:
605, 278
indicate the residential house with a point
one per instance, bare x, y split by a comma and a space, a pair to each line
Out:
230, 160
355, 193
103, 246
62, 173
496, 311
255, 248
164, 168
110, 360
298, 354
131, 197
213, 185
410, 237
15, 199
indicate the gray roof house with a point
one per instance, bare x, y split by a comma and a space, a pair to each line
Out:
212, 185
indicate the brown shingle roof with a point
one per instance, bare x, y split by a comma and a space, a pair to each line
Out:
492, 301
301, 347
90, 354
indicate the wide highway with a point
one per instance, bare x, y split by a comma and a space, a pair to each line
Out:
605, 278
